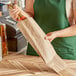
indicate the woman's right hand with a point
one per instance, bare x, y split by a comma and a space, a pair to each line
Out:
14, 12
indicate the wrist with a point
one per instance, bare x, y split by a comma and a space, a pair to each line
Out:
57, 34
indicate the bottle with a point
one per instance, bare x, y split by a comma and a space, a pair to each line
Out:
4, 40
0, 45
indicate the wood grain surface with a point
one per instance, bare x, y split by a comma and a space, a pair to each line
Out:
21, 65
35, 36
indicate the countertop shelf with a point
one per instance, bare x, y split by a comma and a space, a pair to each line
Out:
24, 65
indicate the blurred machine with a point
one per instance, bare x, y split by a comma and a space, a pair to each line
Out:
16, 41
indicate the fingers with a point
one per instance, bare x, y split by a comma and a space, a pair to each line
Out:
14, 12
50, 36
51, 39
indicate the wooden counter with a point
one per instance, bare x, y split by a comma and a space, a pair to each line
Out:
21, 65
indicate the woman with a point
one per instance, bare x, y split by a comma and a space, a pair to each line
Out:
59, 26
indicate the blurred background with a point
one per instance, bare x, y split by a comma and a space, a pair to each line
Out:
15, 40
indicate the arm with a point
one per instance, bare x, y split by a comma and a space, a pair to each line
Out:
29, 7
74, 9
70, 31
67, 32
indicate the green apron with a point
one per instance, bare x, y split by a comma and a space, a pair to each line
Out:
51, 16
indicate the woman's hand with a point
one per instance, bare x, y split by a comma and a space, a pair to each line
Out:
14, 12
67, 32
51, 36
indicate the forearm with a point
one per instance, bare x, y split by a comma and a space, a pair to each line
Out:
70, 31
29, 7
29, 13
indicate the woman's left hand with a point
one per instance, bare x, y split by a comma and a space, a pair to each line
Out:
51, 36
